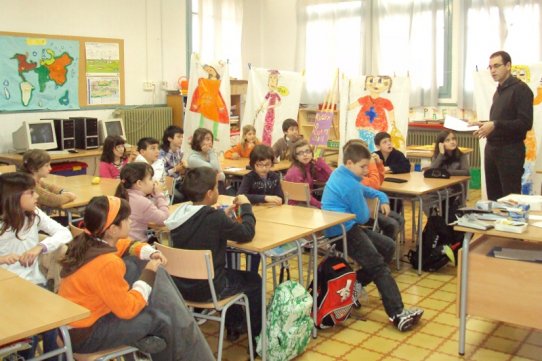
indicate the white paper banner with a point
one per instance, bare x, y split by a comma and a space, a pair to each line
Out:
272, 97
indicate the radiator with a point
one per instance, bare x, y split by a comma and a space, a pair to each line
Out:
145, 122
424, 136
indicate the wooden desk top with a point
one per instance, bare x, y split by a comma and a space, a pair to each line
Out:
28, 309
237, 167
6, 275
532, 233
302, 217
15, 158
417, 185
270, 235
426, 151
81, 185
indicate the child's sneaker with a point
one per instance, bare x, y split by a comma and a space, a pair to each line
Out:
406, 319
359, 295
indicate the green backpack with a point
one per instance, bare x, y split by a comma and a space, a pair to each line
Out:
289, 322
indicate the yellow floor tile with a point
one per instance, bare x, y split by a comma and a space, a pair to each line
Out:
350, 336
501, 344
358, 354
437, 329
411, 353
313, 356
447, 319
512, 332
380, 344
424, 340
483, 354
437, 356
332, 348
481, 325
535, 338
433, 304
444, 296
530, 351
430, 283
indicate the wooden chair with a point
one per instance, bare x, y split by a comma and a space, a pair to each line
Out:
169, 183
198, 265
75, 231
299, 192
7, 169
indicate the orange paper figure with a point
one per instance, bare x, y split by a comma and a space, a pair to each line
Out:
208, 101
375, 112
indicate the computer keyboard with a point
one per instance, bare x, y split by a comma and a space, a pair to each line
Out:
59, 152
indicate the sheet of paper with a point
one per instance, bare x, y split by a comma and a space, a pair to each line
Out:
458, 125
536, 224
532, 217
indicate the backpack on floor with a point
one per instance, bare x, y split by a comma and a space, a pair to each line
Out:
436, 236
289, 322
335, 289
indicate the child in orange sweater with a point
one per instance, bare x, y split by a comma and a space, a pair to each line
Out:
243, 149
150, 314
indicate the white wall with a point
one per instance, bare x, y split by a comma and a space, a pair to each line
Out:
154, 43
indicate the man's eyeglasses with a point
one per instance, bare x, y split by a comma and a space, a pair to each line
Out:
303, 152
494, 66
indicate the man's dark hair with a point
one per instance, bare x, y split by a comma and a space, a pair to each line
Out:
380, 137
197, 182
504, 56
355, 151
261, 152
143, 143
288, 123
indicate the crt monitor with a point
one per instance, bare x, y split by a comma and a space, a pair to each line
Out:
112, 127
35, 134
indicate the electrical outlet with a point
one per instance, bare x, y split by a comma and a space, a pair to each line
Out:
164, 84
148, 86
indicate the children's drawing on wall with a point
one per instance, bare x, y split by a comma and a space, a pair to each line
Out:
523, 73
381, 104
272, 97
209, 100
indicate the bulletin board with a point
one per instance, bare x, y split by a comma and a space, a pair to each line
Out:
60, 72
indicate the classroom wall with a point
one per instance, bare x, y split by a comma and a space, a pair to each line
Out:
154, 43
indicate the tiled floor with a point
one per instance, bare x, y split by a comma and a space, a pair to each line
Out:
368, 335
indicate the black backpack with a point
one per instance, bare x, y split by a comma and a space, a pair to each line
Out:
435, 236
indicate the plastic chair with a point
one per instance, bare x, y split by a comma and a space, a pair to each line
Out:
198, 265
299, 192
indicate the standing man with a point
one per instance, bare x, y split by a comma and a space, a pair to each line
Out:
510, 117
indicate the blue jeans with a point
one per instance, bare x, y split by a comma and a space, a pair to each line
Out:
373, 251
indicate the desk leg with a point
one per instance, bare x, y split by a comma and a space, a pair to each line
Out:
299, 261
463, 290
314, 283
420, 233
67, 349
264, 306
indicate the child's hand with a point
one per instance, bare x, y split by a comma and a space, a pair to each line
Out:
70, 195
273, 199
9, 258
179, 168
387, 170
153, 264
385, 209
241, 199
376, 158
235, 155
28, 258
133, 154
205, 148
159, 256
441, 148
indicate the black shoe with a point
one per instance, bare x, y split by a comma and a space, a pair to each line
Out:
233, 335
151, 344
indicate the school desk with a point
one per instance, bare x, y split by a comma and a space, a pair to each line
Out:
28, 310
83, 188
426, 151
238, 167
5, 274
499, 289
414, 190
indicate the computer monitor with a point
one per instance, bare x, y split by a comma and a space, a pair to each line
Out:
35, 134
113, 126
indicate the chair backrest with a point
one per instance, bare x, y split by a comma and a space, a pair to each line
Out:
188, 263
7, 168
170, 186
299, 192
374, 205
75, 230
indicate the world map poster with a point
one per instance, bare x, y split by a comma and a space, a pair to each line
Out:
38, 73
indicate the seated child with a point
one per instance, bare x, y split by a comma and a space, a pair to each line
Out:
171, 153
37, 163
203, 154
262, 185
200, 226
447, 155
20, 245
305, 169
394, 160
281, 148
148, 153
146, 198
373, 251
113, 157
131, 302
243, 149
392, 223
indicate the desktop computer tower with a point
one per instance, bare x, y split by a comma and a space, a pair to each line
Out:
65, 133
86, 132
